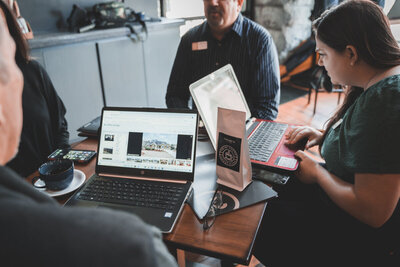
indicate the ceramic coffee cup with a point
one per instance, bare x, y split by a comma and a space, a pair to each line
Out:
56, 175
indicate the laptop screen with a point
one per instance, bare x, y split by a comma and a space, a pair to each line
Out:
394, 12
148, 139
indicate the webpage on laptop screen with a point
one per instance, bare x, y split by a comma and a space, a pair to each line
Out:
148, 140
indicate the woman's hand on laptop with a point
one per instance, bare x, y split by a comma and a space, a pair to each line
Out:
296, 134
309, 170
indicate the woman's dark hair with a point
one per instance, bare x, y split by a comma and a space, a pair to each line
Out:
362, 24
22, 48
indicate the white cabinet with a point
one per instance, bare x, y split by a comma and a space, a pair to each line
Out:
73, 70
122, 67
159, 54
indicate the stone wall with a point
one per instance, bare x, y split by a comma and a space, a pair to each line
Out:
287, 21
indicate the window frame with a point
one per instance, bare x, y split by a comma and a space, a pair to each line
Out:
248, 10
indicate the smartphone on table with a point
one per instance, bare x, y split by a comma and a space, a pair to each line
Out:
79, 156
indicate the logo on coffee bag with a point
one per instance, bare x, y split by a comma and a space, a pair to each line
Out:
228, 152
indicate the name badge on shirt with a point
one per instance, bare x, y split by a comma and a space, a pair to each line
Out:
197, 46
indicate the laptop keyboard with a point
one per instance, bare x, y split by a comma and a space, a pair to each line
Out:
265, 139
132, 192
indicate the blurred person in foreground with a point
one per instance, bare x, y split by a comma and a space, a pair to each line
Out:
35, 230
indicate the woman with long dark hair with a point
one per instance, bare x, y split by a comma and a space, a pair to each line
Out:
44, 127
346, 213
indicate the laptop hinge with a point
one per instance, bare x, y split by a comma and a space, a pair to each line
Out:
143, 178
250, 122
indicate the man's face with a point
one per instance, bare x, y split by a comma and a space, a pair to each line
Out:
11, 84
221, 14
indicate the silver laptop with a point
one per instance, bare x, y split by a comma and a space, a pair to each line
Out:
266, 138
394, 12
145, 164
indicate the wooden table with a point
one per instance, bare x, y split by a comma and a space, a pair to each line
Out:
230, 239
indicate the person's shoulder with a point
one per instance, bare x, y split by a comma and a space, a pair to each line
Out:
381, 100
9, 178
34, 64
253, 28
255, 34
31, 67
392, 83
90, 236
17, 188
134, 238
389, 94
31, 64
387, 89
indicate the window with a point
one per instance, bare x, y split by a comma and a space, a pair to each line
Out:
183, 9
192, 11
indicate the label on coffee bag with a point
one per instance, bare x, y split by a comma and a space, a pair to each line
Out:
228, 151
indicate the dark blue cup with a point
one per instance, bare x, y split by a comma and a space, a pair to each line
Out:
56, 174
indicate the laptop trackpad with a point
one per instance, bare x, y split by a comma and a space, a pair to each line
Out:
159, 218
148, 215
119, 207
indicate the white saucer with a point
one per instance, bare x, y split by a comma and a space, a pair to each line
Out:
77, 181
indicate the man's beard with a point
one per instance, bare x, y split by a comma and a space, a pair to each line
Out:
212, 10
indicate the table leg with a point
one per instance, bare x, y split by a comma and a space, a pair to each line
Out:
180, 255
